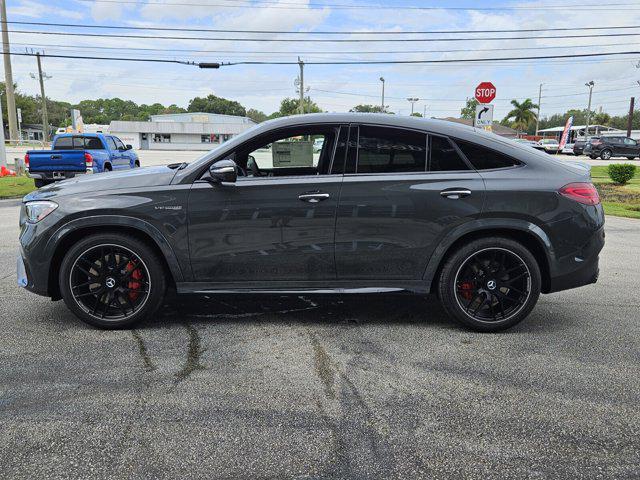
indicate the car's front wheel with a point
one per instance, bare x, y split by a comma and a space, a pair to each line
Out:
490, 284
112, 280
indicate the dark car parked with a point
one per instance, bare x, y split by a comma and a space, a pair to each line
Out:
607, 147
578, 147
388, 203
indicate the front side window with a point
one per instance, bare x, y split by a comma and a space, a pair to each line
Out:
119, 143
292, 152
630, 141
483, 158
444, 157
389, 150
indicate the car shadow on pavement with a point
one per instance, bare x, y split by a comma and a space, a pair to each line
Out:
321, 309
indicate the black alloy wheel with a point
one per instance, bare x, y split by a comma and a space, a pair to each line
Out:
112, 280
490, 284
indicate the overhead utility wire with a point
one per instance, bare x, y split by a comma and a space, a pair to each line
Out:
317, 40
321, 32
301, 6
349, 62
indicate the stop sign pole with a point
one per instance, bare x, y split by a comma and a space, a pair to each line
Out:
485, 93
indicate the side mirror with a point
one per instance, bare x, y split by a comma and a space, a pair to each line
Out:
223, 171
129, 147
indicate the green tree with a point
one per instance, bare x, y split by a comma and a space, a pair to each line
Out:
469, 110
289, 106
416, 114
256, 115
366, 108
213, 104
522, 115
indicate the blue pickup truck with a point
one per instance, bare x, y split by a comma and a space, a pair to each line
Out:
74, 154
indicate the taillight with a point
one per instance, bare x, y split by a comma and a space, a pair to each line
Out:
88, 160
584, 193
26, 160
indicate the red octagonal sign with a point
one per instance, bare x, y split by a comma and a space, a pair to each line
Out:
485, 92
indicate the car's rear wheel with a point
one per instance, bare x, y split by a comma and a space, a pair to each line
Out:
631, 158
112, 280
490, 284
39, 183
606, 154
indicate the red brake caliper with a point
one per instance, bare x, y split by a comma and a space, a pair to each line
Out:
133, 285
466, 290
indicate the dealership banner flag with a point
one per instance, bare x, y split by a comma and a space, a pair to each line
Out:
565, 132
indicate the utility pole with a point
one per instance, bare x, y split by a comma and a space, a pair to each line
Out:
301, 106
412, 100
45, 118
630, 119
586, 128
538, 115
424, 111
3, 151
8, 74
382, 109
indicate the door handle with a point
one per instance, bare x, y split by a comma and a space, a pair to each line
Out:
313, 197
455, 193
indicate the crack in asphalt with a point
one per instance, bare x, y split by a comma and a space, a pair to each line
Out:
194, 352
144, 353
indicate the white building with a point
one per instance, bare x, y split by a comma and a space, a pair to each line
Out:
180, 131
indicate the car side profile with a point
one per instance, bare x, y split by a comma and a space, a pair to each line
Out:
386, 204
612, 146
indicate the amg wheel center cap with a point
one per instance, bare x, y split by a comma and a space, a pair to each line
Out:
491, 284
110, 282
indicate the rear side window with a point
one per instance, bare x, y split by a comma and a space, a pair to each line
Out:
387, 150
483, 158
444, 157
93, 143
63, 143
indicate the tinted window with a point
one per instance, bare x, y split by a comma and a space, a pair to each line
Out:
483, 158
119, 143
63, 143
444, 157
93, 143
383, 150
111, 143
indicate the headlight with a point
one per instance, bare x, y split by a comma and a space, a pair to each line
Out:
37, 210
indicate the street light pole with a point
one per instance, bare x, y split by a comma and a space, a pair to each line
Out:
586, 129
301, 106
412, 100
382, 104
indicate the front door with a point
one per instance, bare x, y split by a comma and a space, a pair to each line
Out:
276, 223
402, 191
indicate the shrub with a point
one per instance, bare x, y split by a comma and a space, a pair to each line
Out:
621, 173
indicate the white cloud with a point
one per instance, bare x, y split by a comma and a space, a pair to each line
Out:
31, 9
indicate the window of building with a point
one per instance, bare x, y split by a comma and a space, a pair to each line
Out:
206, 138
161, 138
386, 150
443, 156
483, 158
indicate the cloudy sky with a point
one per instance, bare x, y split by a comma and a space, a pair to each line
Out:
442, 88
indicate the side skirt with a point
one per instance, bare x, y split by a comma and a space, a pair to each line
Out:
304, 287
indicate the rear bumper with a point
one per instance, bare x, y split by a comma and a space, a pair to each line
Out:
49, 175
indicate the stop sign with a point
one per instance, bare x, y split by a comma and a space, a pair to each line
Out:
485, 92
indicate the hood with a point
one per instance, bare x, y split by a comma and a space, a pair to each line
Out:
135, 178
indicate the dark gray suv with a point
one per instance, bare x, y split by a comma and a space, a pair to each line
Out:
322, 203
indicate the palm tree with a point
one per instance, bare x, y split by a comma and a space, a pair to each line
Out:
523, 114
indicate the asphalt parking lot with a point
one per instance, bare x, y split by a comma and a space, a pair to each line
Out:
324, 387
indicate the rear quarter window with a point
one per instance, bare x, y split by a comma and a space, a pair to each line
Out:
483, 158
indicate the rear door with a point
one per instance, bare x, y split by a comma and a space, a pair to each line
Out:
402, 191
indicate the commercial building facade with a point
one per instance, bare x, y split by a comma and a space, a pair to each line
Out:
181, 131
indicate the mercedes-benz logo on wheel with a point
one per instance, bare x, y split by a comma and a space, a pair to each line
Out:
111, 282
491, 284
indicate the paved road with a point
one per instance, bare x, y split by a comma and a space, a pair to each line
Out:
328, 387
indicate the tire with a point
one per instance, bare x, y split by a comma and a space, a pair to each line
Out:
631, 158
605, 154
112, 280
107, 168
136, 164
39, 183
593, 157
479, 305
